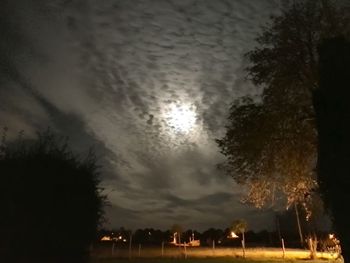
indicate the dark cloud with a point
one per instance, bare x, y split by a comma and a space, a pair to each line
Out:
108, 74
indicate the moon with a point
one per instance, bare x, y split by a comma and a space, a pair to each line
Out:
181, 118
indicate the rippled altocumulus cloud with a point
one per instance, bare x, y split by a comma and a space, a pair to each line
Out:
107, 73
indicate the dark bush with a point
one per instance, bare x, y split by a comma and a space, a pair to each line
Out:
50, 201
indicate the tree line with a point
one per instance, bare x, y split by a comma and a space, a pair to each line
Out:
232, 236
220, 237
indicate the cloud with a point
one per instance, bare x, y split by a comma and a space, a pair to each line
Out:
106, 73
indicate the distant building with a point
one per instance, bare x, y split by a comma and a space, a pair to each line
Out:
106, 238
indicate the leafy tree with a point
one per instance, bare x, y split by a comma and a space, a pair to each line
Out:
270, 162
240, 226
270, 143
50, 200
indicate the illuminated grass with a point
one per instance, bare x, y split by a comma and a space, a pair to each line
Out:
204, 260
254, 254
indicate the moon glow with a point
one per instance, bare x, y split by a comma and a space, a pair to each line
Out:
181, 118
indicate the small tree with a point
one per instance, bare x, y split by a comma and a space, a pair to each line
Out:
50, 200
240, 226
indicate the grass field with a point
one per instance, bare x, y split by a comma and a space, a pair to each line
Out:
207, 255
205, 260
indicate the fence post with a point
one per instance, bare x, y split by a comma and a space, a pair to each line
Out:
139, 250
162, 248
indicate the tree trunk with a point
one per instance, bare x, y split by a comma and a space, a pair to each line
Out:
243, 244
312, 243
332, 108
298, 223
278, 228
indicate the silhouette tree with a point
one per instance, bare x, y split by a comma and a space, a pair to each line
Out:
50, 200
270, 142
332, 108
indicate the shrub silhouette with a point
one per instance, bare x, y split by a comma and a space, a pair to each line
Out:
50, 201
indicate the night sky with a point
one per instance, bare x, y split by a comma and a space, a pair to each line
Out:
148, 84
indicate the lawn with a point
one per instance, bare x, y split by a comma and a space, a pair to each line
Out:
204, 260
171, 254
207, 255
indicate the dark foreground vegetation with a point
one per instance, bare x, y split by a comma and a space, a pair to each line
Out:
50, 202
333, 123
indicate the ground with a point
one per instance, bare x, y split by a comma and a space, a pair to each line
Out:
208, 255
205, 260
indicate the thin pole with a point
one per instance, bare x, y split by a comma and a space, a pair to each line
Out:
139, 250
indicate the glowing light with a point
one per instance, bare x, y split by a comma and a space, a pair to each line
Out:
181, 118
233, 235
